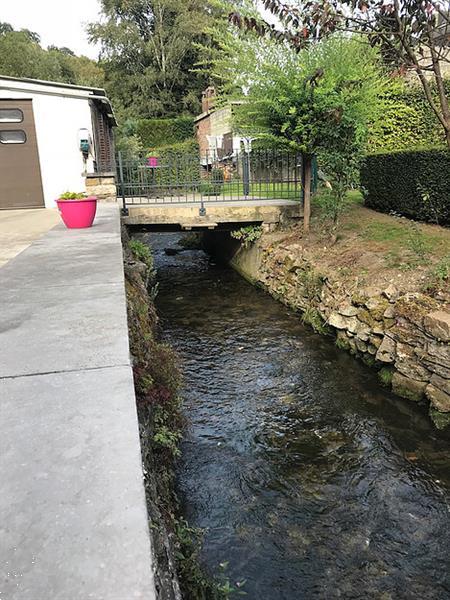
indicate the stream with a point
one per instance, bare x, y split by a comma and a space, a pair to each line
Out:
309, 479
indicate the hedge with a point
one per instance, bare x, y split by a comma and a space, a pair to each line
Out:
162, 132
408, 121
180, 166
413, 183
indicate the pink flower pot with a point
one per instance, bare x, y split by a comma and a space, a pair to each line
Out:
78, 214
152, 161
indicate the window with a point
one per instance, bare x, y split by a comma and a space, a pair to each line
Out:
11, 115
15, 136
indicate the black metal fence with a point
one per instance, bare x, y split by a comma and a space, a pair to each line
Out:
177, 178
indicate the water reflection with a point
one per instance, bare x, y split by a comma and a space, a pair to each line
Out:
309, 479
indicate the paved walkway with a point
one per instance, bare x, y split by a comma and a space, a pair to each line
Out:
19, 228
73, 517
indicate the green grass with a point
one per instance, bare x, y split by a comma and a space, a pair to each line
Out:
274, 191
381, 232
355, 197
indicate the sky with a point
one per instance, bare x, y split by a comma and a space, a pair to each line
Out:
58, 22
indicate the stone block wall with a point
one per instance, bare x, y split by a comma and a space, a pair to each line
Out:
102, 186
404, 336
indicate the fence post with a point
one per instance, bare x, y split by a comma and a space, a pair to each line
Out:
122, 185
246, 173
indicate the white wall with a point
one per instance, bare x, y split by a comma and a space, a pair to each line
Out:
58, 120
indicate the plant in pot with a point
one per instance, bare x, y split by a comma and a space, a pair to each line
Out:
77, 210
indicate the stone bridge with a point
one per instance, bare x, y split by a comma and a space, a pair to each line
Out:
216, 214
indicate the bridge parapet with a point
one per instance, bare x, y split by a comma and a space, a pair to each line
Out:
270, 213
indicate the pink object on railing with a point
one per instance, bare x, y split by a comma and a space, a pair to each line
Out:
152, 161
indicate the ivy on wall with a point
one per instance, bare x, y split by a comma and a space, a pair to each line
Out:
408, 122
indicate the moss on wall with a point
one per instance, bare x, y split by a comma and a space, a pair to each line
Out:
157, 380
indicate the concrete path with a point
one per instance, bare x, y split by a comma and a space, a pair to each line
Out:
19, 228
73, 516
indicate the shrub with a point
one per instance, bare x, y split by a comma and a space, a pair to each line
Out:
412, 183
214, 184
407, 121
162, 132
141, 252
179, 167
247, 235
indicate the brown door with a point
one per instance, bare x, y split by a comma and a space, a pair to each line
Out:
20, 173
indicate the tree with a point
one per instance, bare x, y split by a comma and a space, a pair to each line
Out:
412, 35
78, 70
63, 50
5, 28
148, 47
318, 101
22, 57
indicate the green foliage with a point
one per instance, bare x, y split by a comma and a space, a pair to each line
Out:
317, 101
411, 183
168, 439
417, 243
385, 376
214, 183
439, 276
148, 50
342, 343
311, 283
341, 171
141, 252
22, 56
312, 317
247, 235
78, 70
179, 165
154, 133
73, 196
407, 121
129, 145
441, 420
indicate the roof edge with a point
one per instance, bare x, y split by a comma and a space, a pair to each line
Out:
44, 82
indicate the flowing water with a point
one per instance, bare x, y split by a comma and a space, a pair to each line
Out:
309, 479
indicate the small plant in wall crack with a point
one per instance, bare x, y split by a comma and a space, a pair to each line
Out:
168, 439
141, 252
247, 235
312, 317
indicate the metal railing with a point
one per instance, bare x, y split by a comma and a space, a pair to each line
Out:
184, 178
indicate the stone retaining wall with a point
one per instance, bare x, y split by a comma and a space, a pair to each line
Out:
102, 186
405, 336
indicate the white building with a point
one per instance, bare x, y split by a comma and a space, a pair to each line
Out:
51, 136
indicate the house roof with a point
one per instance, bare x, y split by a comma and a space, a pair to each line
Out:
59, 84
57, 88
210, 112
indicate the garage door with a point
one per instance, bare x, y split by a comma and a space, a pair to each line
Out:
20, 173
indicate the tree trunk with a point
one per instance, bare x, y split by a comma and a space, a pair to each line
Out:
307, 173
